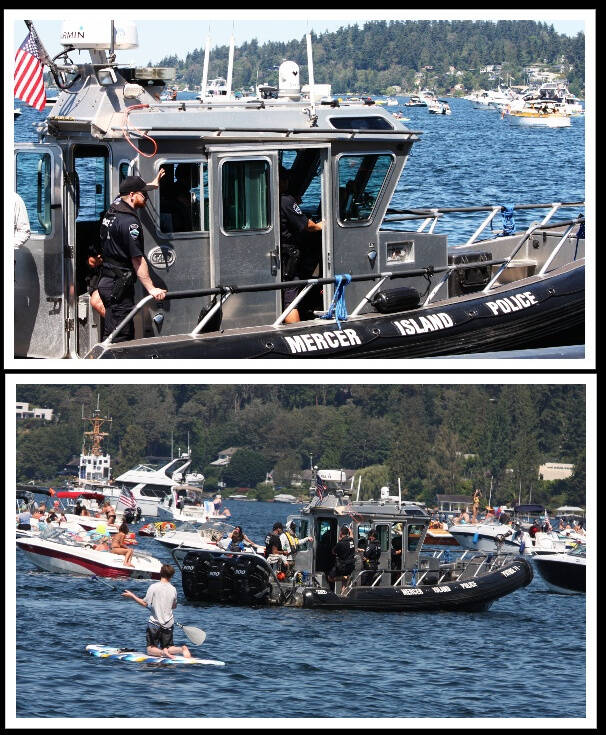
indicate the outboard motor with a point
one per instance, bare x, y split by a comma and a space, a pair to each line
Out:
194, 577
220, 579
251, 584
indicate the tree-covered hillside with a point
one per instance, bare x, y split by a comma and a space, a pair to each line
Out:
435, 438
379, 54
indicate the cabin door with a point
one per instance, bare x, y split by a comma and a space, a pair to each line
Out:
244, 232
41, 287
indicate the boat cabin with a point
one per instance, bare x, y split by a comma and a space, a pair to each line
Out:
398, 525
215, 218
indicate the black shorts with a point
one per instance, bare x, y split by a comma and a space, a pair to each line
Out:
290, 294
158, 636
340, 570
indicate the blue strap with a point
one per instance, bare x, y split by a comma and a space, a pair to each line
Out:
413, 580
509, 225
338, 309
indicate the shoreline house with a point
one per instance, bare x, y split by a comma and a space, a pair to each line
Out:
25, 412
224, 457
555, 471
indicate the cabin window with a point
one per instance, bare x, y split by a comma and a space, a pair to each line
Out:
304, 178
33, 173
246, 196
301, 532
361, 178
90, 166
363, 122
123, 171
184, 197
383, 536
415, 534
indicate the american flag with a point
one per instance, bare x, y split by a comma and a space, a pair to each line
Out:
29, 79
127, 498
320, 487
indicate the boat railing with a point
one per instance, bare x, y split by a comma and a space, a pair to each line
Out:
431, 215
225, 292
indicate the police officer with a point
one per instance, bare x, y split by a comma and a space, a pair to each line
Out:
293, 224
370, 558
123, 257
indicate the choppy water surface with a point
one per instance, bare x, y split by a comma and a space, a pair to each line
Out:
525, 657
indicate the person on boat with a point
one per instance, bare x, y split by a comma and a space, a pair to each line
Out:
293, 225
104, 543
294, 542
274, 552
22, 228
345, 558
490, 516
24, 518
84, 511
123, 258
396, 553
108, 509
370, 558
243, 538
476, 505
534, 529
95, 257
161, 598
119, 547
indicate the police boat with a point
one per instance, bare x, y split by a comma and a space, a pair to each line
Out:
375, 282
412, 580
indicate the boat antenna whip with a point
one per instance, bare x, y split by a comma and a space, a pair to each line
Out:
338, 308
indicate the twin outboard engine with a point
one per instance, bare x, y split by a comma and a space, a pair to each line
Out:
236, 579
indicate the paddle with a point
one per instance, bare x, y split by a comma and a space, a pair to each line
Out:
196, 635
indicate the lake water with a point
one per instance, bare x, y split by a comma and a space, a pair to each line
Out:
523, 658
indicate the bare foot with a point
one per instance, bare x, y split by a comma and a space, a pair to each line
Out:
166, 653
185, 652
129, 565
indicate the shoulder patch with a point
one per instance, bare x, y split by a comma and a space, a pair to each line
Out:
296, 208
134, 231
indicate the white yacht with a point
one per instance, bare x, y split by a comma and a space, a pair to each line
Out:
149, 483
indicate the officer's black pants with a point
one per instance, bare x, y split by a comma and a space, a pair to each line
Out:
115, 313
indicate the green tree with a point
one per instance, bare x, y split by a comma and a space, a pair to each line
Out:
246, 469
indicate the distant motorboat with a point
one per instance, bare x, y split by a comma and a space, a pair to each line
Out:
415, 101
539, 113
563, 572
17, 112
439, 107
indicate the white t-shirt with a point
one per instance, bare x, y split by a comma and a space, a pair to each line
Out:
22, 229
161, 598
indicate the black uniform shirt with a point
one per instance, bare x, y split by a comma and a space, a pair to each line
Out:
372, 554
293, 222
122, 234
345, 550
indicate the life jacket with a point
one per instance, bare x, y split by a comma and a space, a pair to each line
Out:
293, 541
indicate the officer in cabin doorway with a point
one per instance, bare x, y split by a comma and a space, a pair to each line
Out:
294, 224
123, 257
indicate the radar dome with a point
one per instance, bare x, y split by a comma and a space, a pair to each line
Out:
289, 80
96, 35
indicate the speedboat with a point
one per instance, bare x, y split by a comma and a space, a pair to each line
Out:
415, 101
412, 581
58, 550
563, 572
439, 107
213, 536
189, 503
510, 538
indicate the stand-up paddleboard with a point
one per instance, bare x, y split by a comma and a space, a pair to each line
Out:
122, 654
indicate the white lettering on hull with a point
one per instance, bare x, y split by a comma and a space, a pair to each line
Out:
509, 304
424, 324
315, 341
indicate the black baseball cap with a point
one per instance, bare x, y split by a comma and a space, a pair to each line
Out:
133, 183
277, 525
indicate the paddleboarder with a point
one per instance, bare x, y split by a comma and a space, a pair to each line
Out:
161, 598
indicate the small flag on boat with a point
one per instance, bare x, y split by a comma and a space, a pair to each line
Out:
320, 487
127, 498
29, 73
